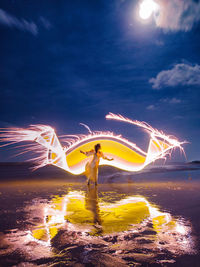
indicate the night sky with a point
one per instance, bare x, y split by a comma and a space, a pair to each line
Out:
65, 62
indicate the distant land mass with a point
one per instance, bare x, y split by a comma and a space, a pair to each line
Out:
169, 171
194, 162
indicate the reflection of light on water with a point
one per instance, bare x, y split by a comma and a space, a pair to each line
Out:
85, 214
180, 229
53, 219
30, 237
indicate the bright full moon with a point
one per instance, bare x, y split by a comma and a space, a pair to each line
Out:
147, 7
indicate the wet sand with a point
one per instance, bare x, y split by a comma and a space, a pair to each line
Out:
49, 218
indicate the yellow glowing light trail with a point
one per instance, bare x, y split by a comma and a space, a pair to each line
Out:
127, 155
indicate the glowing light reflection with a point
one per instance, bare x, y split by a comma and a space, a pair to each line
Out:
72, 212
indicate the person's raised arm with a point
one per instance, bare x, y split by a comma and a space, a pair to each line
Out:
104, 157
87, 153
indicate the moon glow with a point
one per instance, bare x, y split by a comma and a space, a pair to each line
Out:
146, 9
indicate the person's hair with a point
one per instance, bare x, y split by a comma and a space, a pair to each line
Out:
97, 147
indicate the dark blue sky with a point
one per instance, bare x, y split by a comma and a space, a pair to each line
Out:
65, 62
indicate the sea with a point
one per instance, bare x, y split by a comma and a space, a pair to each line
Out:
51, 218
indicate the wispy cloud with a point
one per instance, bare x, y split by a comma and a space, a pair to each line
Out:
178, 117
159, 43
173, 100
21, 24
180, 74
151, 107
178, 15
45, 22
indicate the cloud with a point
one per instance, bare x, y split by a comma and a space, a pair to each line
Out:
178, 117
173, 100
180, 74
151, 107
20, 24
159, 43
178, 15
45, 22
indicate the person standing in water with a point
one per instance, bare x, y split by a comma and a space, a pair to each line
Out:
91, 168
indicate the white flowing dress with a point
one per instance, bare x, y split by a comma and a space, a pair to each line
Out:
91, 168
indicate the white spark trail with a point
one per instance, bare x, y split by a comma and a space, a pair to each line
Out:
50, 151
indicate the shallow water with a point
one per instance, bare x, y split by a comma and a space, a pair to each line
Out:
127, 222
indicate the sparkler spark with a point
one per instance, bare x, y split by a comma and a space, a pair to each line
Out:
87, 127
127, 155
